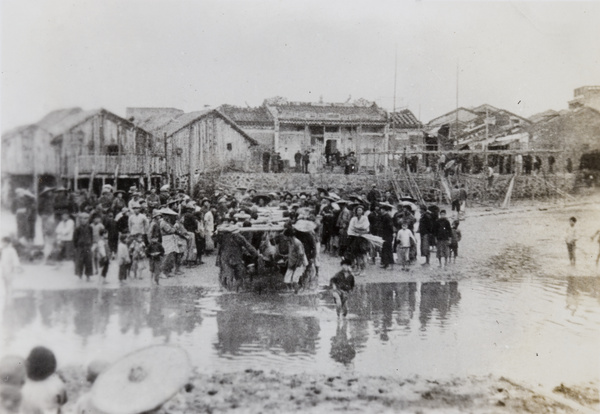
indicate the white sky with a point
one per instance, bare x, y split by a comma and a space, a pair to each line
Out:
524, 57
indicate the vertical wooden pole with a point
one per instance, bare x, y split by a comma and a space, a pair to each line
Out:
190, 155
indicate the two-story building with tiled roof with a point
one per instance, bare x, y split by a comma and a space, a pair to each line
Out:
328, 127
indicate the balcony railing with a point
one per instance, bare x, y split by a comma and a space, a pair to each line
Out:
107, 164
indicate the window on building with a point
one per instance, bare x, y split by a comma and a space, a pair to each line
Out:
331, 129
112, 150
229, 146
316, 130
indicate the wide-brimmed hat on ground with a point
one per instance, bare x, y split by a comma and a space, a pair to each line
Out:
141, 381
305, 225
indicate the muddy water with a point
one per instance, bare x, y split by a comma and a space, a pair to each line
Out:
542, 331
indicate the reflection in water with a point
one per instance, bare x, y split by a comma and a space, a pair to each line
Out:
342, 350
578, 285
392, 327
266, 328
437, 296
167, 310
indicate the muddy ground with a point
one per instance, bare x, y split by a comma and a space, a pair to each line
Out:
496, 244
255, 391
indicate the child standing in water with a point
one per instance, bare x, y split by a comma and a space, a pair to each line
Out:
597, 234
137, 252
103, 251
123, 259
404, 238
571, 239
155, 255
454, 239
342, 283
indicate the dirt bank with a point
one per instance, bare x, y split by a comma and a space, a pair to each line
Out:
254, 391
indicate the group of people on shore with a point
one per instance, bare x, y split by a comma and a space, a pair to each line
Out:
164, 230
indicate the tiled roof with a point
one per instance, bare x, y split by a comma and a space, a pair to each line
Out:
543, 116
248, 116
404, 119
330, 112
464, 115
153, 120
481, 108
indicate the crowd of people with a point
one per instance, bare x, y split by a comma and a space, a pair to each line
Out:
159, 232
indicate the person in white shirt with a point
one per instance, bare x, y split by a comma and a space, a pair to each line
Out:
138, 223
10, 265
571, 239
209, 228
359, 247
404, 239
44, 391
64, 238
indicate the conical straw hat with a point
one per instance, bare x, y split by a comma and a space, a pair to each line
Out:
141, 381
305, 225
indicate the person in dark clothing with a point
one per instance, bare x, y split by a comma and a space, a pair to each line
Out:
190, 223
375, 226
230, 257
373, 195
305, 162
386, 232
63, 203
266, 160
298, 161
342, 283
118, 203
123, 221
426, 229
82, 241
443, 234
275, 162
328, 214
112, 233
24, 209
